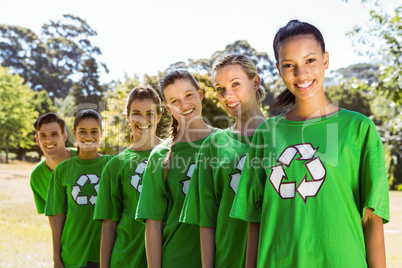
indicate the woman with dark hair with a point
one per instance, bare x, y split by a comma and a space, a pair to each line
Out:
170, 243
123, 238
72, 196
314, 185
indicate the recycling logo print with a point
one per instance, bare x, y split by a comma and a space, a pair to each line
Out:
76, 190
306, 188
136, 179
186, 183
235, 178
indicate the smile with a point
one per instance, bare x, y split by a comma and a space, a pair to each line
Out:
187, 112
50, 146
304, 85
89, 143
232, 105
144, 127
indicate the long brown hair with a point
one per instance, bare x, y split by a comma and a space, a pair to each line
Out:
142, 93
167, 80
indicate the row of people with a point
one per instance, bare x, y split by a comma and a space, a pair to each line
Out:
307, 188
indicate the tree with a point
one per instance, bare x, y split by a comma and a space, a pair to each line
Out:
116, 131
88, 89
48, 62
16, 112
349, 99
382, 37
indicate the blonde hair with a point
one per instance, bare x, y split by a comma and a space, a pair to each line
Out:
247, 65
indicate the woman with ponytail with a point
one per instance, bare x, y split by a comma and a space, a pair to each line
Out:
314, 186
123, 242
219, 164
170, 243
72, 196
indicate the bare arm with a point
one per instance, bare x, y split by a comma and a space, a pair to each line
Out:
207, 237
107, 242
153, 243
374, 239
58, 222
252, 244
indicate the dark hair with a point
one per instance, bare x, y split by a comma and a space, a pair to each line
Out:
292, 29
167, 80
247, 65
142, 93
84, 114
50, 118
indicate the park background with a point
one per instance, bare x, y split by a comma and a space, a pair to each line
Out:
90, 54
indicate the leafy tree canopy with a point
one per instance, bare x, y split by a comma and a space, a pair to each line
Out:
17, 112
48, 61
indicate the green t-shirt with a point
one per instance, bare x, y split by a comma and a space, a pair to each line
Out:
163, 201
40, 178
308, 184
212, 191
73, 190
119, 191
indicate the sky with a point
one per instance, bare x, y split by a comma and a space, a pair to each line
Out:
146, 36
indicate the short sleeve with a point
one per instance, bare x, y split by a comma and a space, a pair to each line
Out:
56, 201
153, 200
247, 204
38, 197
109, 200
200, 206
374, 179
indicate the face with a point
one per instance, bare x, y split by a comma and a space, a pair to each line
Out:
236, 92
183, 100
88, 134
143, 118
50, 139
302, 65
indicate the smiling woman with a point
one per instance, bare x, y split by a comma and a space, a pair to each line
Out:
72, 196
122, 242
167, 176
87, 132
341, 157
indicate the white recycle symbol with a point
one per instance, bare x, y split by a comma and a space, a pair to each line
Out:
135, 179
76, 190
287, 190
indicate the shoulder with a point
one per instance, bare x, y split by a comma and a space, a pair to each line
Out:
216, 136
355, 117
66, 163
39, 166
160, 149
73, 151
107, 157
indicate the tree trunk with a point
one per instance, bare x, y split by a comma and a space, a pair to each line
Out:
21, 154
7, 150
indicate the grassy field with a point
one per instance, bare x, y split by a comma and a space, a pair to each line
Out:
25, 238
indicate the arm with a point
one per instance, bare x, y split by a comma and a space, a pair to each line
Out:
107, 242
153, 242
252, 244
57, 231
51, 222
374, 239
207, 246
